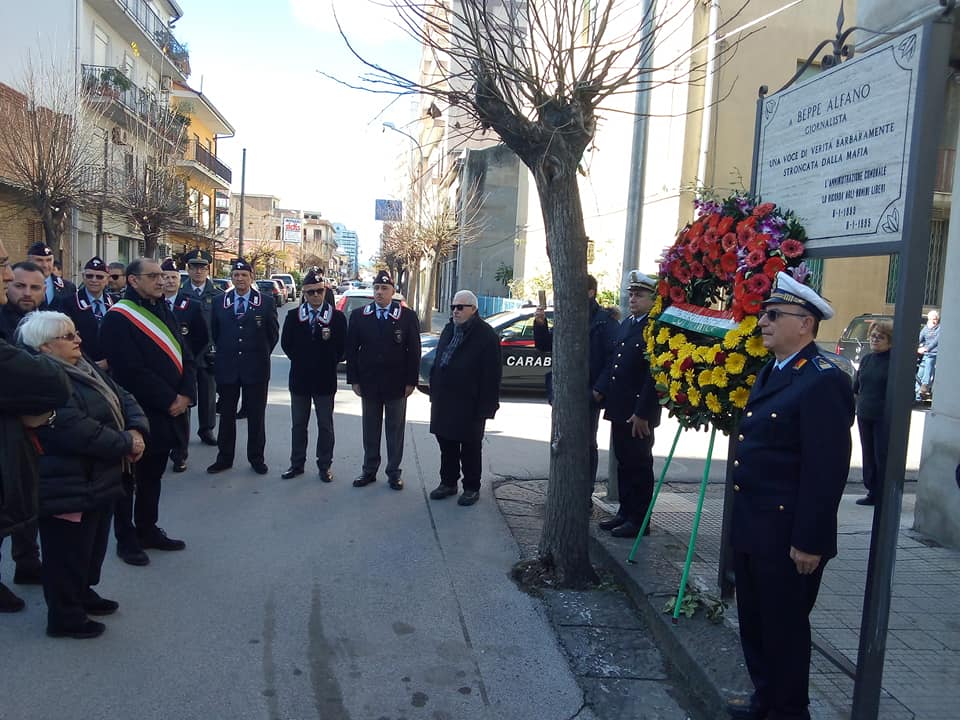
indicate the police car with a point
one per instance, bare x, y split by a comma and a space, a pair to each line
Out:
523, 365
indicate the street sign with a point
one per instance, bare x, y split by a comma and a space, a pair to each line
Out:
389, 210
292, 230
835, 149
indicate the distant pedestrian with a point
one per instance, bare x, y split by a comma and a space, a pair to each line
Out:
245, 331
790, 466
464, 394
629, 397
928, 349
314, 338
870, 387
383, 364
148, 357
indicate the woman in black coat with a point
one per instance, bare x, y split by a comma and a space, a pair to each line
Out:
464, 394
97, 436
870, 387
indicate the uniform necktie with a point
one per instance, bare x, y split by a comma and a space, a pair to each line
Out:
241, 306
199, 291
98, 310
381, 314
170, 303
313, 321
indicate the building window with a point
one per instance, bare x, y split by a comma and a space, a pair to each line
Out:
936, 261
205, 212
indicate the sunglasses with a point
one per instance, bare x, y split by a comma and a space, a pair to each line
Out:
95, 276
459, 306
70, 336
321, 291
774, 315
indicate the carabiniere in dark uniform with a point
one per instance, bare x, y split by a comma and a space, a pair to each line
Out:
207, 296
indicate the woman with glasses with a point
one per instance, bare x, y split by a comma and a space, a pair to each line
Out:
870, 387
98, 435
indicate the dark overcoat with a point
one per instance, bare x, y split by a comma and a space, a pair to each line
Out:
792, 458
465, 392
141, 366
81, 464
383, 356
314, 353
79, 308
210, 296
28, 386
244, 344
188, 313
626, 383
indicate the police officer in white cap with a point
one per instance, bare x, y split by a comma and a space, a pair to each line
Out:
789, 469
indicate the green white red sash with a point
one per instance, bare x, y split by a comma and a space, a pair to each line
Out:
154, 328
706, 321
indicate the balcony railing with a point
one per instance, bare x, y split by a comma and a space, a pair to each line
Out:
155, 27
109, 83
197, 152
943, 180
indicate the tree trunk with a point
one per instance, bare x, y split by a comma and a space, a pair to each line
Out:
414, 280
565, 540
150, 241
426, 299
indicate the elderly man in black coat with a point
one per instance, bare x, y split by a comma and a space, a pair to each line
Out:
88, 306
383, 361
464, 394
790, 466
314, 337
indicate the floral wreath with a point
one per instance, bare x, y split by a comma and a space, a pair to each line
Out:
704, 360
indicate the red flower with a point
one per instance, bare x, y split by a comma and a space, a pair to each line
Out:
728, 262
758, 283
755, 258
709, 266
681, 398
714, 220
729, 242
663, 287
687, 364
696, 269
725, 225
764, 238
763, 209
720, 358
714, 250
757, 243
696, 230
710, 236
678, 295
751, 303
773, 266
746, 223
667, 364
745, 235
792, 248
681, 272
694, 245
738, 290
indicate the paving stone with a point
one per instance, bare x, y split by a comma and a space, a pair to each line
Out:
607, 609
599, 652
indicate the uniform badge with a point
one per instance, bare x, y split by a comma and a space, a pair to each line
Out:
184, 330
325, 333
397, 336
259, 320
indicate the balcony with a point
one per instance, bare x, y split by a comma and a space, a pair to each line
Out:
130, 16
119, 96
206, 167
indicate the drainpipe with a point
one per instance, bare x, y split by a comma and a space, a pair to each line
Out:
709, 90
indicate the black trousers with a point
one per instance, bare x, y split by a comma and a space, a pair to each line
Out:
140, 506
24, 545
634, 471
375, 412
181, 427
773, 604
874, 454
206, 401
255, 403
464, 456
594, 454
73, 554
300, 416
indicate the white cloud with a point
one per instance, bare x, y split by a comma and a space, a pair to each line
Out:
364, 22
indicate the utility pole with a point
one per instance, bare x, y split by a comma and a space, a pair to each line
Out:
243, 187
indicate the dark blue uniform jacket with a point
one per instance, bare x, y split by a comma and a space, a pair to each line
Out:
244, 345
383, 356
314, 352
626, 384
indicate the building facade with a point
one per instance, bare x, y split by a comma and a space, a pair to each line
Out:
348, 243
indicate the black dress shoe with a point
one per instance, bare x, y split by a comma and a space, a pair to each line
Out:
28, 574
218, 467
90, 629
260, 468
157, 539
468, 497
291, 472
611, 523
628, 530
10, 603
132, 554
442, 491
326, 476
93, 604
868, 500
364, 480
395, 483
179, 466
745, 709
207, 438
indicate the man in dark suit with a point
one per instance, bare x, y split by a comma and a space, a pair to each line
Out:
205, 294
789, 469
87, 307
117, 282
245, 331
314, 337
55, 286
629, 396
148, 357
383, 359
23, 295
193, 332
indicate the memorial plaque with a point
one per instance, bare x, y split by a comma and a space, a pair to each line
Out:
836, 148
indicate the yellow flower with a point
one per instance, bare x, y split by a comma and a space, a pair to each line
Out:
713, 403
664, 335
688, 376
662, 379
720, 378
735, 363
678, 341
748, 324
751, 379
755, 346
738, 396
657, 306
693, 395
675, 371
731, 339
688, 350
674, 389
705, 378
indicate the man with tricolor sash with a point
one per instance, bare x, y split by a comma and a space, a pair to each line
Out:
147, 357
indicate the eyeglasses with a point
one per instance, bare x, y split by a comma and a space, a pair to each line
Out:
321, 291
459, 306
95, 276
150, 276
773, 315
69, 337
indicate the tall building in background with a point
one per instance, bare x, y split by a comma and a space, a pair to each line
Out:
347, 242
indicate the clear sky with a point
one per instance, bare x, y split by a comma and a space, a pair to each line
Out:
311, 142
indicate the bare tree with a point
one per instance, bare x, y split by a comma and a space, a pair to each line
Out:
537, 73
149, 188
48, 148
402, 250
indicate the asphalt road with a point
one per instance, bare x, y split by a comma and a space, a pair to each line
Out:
300, 600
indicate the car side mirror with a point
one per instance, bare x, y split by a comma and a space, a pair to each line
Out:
507, 334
